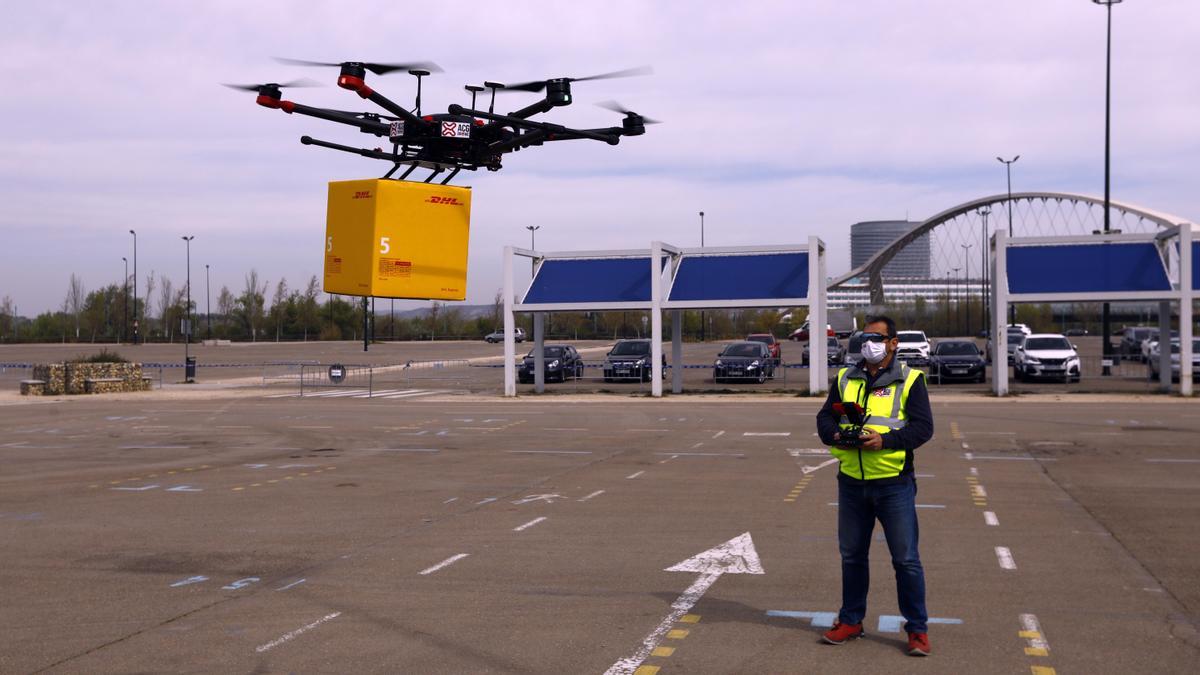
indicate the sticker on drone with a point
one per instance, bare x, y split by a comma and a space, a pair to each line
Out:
456, 130
396, 129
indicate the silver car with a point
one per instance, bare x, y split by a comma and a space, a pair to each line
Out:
1155, 373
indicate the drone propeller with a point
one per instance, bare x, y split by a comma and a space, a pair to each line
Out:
539, 85
305, 82
377, 68
617, 107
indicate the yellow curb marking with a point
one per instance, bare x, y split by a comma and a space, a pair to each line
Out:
1030, 634
1036, 651
646, 670
677, 633
690, 618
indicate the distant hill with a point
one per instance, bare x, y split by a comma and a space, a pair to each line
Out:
466, 311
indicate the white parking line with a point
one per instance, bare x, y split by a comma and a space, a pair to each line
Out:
634, 475
530, 524
990, 518
408, 450
445, 563
452, 499
702, 454
1026, 458
1174, 461
719, 434
767, 433
551, 452
974, 471
294, 583
565, 429
1005, 558
597, 493
288, 636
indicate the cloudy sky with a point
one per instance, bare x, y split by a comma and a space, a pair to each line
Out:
783, 119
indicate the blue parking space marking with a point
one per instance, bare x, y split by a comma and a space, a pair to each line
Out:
890, 623
817, 619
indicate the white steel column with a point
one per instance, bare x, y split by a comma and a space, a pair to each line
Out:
823, 294
1000, 313
1187, 296
676, 352
656, 354
818, 343
510, 347
539, 352
1164, 348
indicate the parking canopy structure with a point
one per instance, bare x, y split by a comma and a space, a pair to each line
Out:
1100, 268
666, 277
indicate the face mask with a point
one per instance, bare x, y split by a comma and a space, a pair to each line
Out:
874, 352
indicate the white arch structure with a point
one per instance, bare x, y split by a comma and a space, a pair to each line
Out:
873, 268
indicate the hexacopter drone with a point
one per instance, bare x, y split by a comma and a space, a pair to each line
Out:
461, 138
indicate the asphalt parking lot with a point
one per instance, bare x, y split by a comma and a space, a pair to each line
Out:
447, 533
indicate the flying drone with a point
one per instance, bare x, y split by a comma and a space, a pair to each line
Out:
462, 137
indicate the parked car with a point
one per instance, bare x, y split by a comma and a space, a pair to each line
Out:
1131, 340
629, 360
1070, 332
843, 322
801, 333
1150, 342
913, 347
561, 362
744, 361
1018, 328
1153, 365
957, 360
1014, 341
1048, 355
834, 351
771, 343
854, 349
498, 336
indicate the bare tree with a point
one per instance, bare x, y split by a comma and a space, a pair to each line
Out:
225, 305
166, 299
279, 306
75, 299
308, 306
7, 318
251, 303
146, 303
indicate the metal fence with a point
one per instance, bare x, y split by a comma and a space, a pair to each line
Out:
320, 379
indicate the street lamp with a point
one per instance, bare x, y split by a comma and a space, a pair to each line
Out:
187, 333
135, 305
1012, 310
207, 302
1105, 326
966, 284
533, 247
985, 295
125, 300
702, 246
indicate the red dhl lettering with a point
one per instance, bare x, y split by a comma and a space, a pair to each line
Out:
448, 201
362, 194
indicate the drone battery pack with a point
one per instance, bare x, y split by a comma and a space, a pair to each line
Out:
397, 239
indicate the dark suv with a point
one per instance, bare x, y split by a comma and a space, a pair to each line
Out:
629, 361
744, 362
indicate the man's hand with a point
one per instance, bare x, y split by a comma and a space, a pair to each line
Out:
872, 440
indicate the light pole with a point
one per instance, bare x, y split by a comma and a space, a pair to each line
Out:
1012, 309
207, 302
702, 324
135, 305
985, 295
957, 302
533, 247
1105, 326
125, 301
187, 334
967, 285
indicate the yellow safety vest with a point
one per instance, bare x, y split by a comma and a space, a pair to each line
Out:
886, 411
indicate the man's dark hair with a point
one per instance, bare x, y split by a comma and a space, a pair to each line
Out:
883, 318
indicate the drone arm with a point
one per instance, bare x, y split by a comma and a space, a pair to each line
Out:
537, 108
369, 126
363, 152
611, 135
552, 131
359, 87
520, 141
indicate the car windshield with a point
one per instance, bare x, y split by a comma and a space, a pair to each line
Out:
1141, 333
1034, 344
1015, 338
631, 349
957, 349
741, 350
765, 339
550, 352
833, 343
912, 337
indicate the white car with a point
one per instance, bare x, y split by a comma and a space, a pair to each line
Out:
1046, 355
498, 336
1153, 366
913, 347
1019, 328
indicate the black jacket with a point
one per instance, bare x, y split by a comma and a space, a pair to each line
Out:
915, 434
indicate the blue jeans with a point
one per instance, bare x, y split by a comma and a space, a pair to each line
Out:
895, 507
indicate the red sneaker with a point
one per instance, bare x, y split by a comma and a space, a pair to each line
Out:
842, 632
918, 644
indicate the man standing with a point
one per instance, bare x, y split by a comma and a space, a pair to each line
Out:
876, 479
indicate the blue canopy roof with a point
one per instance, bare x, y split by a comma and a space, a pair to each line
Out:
732, 277
1086, 268
595, 280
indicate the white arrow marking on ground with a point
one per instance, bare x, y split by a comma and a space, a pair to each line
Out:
809, 469
736, 556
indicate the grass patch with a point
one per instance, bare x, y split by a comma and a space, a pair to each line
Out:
103, 356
